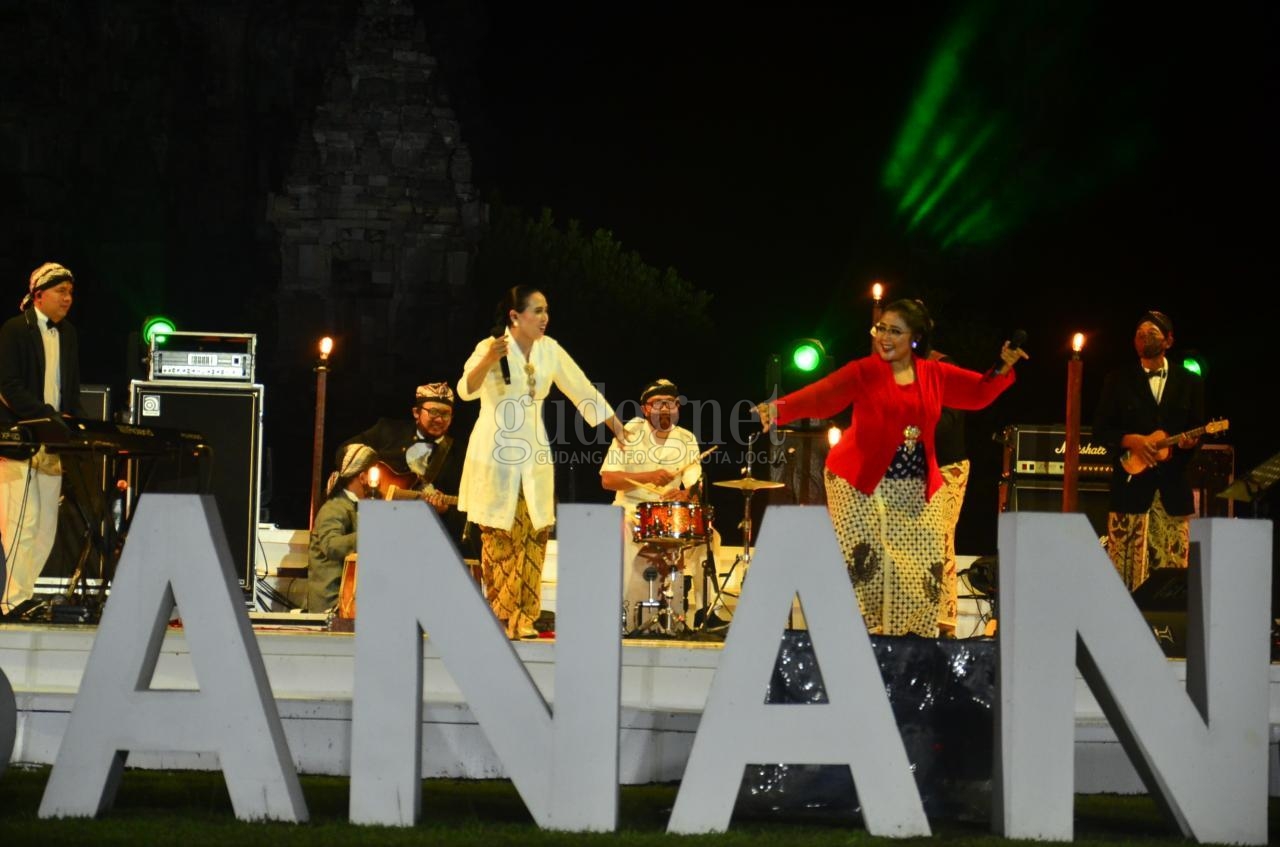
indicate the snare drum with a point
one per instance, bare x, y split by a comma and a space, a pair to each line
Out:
672, 522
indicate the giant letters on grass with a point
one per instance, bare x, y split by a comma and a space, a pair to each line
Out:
1202, 752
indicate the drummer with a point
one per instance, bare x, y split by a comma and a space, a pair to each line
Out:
660, 463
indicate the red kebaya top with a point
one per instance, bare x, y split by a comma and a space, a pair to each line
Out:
882, 410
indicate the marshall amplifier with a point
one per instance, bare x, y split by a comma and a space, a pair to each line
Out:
1040, 450
1035, 464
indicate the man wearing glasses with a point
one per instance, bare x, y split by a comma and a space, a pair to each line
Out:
418, 459
658, 464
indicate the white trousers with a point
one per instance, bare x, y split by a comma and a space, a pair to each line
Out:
29, 492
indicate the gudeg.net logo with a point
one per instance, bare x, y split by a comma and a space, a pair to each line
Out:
546, 431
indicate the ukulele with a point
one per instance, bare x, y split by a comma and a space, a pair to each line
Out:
1134, 466
407, 486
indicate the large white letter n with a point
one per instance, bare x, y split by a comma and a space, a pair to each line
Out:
565, 765
1201, 748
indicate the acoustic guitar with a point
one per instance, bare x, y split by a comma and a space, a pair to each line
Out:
1134, 466
407, 486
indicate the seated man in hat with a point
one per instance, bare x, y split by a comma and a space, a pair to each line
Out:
419, 459
333, 535
659, 464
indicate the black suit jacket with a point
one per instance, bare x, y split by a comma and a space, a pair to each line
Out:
1126, 406
22, 373
391, 437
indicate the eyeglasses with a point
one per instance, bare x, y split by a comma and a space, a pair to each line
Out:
438, 413
528, 370
665, 405
893, 332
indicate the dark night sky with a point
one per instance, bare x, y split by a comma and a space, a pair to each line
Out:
746, 150
1131, 167
1127, 162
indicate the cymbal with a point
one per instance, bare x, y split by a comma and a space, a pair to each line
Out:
748, 483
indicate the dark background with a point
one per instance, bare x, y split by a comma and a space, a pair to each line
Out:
1122, 158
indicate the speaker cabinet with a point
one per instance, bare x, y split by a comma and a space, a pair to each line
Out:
1162, 600
96, 401
230, 419
1211, 471
798, 460
1165, 590
1045, 495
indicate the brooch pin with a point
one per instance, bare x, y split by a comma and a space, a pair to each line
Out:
910, 435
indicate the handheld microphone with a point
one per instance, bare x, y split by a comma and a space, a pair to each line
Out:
498, 332
1018, 339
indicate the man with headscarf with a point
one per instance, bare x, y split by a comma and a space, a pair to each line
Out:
333, 535
420, 459
39, 377
1149, 525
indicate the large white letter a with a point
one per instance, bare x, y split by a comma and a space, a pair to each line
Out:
176, 549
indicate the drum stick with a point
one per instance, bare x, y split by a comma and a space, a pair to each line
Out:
698, 460
649, 486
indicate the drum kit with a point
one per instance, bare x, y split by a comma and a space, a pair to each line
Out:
668, 529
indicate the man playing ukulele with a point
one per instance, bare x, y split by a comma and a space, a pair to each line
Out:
1149, 525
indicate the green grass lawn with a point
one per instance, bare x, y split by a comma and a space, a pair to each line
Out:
191, 808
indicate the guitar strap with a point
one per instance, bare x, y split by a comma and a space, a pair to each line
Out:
436, 462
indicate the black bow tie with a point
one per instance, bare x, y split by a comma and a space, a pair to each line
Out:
1156, 374
53, 326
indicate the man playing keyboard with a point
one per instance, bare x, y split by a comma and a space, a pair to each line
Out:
39, 376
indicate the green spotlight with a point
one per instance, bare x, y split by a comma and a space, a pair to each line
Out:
807, 354
1194, 362
156, 327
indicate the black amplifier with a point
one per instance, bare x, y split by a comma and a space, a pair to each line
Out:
1041, 449
201, 356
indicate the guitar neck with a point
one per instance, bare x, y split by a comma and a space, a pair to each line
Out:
1174, 439
408, 486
